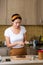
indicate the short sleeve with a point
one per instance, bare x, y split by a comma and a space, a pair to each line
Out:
23, 29
6, 33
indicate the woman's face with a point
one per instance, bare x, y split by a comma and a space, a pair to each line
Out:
17, 23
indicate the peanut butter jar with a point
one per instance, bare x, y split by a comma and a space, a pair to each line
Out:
40, 54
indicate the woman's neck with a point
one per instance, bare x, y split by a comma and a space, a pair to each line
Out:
15, 27
15, 30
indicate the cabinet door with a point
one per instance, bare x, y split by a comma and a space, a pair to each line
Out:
2, 12
15, 6
40, 12
31, 12
3, 51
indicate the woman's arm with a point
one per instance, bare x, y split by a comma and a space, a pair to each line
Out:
8, 43
25, 38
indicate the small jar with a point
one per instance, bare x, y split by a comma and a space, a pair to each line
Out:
0, 58
40, 54
33, 57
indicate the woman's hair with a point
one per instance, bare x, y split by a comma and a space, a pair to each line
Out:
15, 16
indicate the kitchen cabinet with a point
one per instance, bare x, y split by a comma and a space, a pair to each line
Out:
40, 12
2, 12
26, 8
3, 51
31, 12
15, 6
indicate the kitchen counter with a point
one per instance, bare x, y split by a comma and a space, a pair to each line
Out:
21, 61
3, 51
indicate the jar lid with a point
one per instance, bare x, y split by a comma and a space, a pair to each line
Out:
40, 50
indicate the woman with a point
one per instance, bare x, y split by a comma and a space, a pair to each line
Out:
15, 36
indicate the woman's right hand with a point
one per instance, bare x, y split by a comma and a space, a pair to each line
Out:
21, 43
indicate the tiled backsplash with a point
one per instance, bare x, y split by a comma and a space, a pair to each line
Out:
34, 31
31, 31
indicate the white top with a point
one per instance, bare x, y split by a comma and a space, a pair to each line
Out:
15, 37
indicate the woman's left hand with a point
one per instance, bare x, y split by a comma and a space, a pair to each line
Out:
26, 42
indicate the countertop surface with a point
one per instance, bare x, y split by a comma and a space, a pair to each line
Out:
28, 59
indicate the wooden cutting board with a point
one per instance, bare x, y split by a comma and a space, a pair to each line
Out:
21, 58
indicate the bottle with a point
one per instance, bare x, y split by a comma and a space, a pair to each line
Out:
40, 38
0, 58
34, 45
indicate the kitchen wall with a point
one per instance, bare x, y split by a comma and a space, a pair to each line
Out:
32, 30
